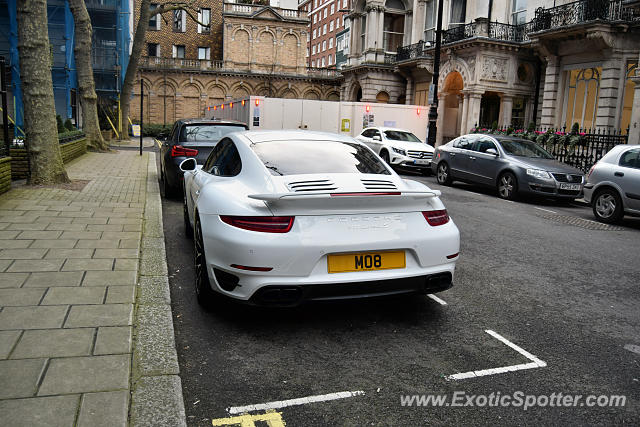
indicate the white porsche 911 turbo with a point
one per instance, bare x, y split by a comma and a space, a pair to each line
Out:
283, 217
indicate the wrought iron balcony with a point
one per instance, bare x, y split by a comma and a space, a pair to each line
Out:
580, 12
413, 51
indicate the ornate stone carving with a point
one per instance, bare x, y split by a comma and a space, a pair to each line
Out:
494, 68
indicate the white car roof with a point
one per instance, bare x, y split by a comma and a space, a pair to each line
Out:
257, 136
383, 129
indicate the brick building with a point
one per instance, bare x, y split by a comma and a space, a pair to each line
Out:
247, 49
326, 20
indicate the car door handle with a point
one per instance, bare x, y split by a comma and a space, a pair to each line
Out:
471, 158
452, 154
619, 174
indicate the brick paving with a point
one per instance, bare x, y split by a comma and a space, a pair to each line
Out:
68, 273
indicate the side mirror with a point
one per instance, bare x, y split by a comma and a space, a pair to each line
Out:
188, 165
377, 138
492, 151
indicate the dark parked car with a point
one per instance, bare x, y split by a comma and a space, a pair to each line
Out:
510, 165
190, 138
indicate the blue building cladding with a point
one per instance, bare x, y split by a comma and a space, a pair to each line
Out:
110, 52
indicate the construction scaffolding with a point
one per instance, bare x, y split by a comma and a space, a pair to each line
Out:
110, 50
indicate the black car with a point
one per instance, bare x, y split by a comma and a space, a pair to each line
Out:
190, 138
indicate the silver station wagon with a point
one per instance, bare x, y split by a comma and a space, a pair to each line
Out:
510, 165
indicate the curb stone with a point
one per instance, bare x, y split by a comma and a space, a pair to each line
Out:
156, 386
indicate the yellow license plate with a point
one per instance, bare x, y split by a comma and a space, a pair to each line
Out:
365, 261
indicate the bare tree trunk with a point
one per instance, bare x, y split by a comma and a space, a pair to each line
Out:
89, 99
37, 88
132, 68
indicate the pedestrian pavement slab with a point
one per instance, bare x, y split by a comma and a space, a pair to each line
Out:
113, 340
20, 297
108, 409
8, 340
51, 243
120, 294
22, 253
27, 266
19, 378
32, 317
5, 263
54, 279
75, 295
88, 264
99, 315
53, 411
12, 280
69, 253
109, 278
15, 244
86, 374
54, 343
97, 244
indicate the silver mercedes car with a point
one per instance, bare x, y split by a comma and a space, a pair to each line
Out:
613, 184
510, 165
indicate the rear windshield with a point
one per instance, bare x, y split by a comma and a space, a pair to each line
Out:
206, 132
523, 148
307, 157
397, 135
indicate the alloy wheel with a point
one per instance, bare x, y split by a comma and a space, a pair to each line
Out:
506, 187
606, 205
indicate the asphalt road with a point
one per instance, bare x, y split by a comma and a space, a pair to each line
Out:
542, 275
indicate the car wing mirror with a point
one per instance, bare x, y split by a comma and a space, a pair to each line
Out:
188, 165
492, 151
377, 138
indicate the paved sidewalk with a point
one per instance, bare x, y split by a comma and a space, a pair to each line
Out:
85, 319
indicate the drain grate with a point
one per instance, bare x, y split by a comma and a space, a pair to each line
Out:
581, 222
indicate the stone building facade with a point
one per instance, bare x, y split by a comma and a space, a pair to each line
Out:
519, 62
256, 50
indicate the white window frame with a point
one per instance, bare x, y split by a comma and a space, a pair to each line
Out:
518, 14
207, 53
157, 53
315, 18
325, 12
331, 43
330, 59
183, 21
323, 64
174, 53
331, 26
324, 29
314, 34
324, 45
313, 49
333, 8
431, 29
157, 16
201, 18
313, 64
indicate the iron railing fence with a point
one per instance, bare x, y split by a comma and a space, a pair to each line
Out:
413, 51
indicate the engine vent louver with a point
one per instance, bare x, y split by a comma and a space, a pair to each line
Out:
378, 184
316, 185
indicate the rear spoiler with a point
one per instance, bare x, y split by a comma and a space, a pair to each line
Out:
363, 195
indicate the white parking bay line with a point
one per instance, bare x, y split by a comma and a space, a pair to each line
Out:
632, 348
293, 402
436, 299
535, 362
545, 210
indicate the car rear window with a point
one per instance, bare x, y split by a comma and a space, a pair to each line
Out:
193, 134
308, 157
396, 135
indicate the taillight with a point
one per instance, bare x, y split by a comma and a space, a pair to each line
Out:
436, 217
180, 151
265, 224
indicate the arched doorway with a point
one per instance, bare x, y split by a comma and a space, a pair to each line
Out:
356, 93
382, 97
451, 92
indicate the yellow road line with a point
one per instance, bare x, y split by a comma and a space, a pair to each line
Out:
273, 419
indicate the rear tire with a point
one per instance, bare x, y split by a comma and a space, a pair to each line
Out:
205, 295
607, 206
507, 186
188, 229
443, 174
168, 190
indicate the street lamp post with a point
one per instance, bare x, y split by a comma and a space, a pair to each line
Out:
433, 108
